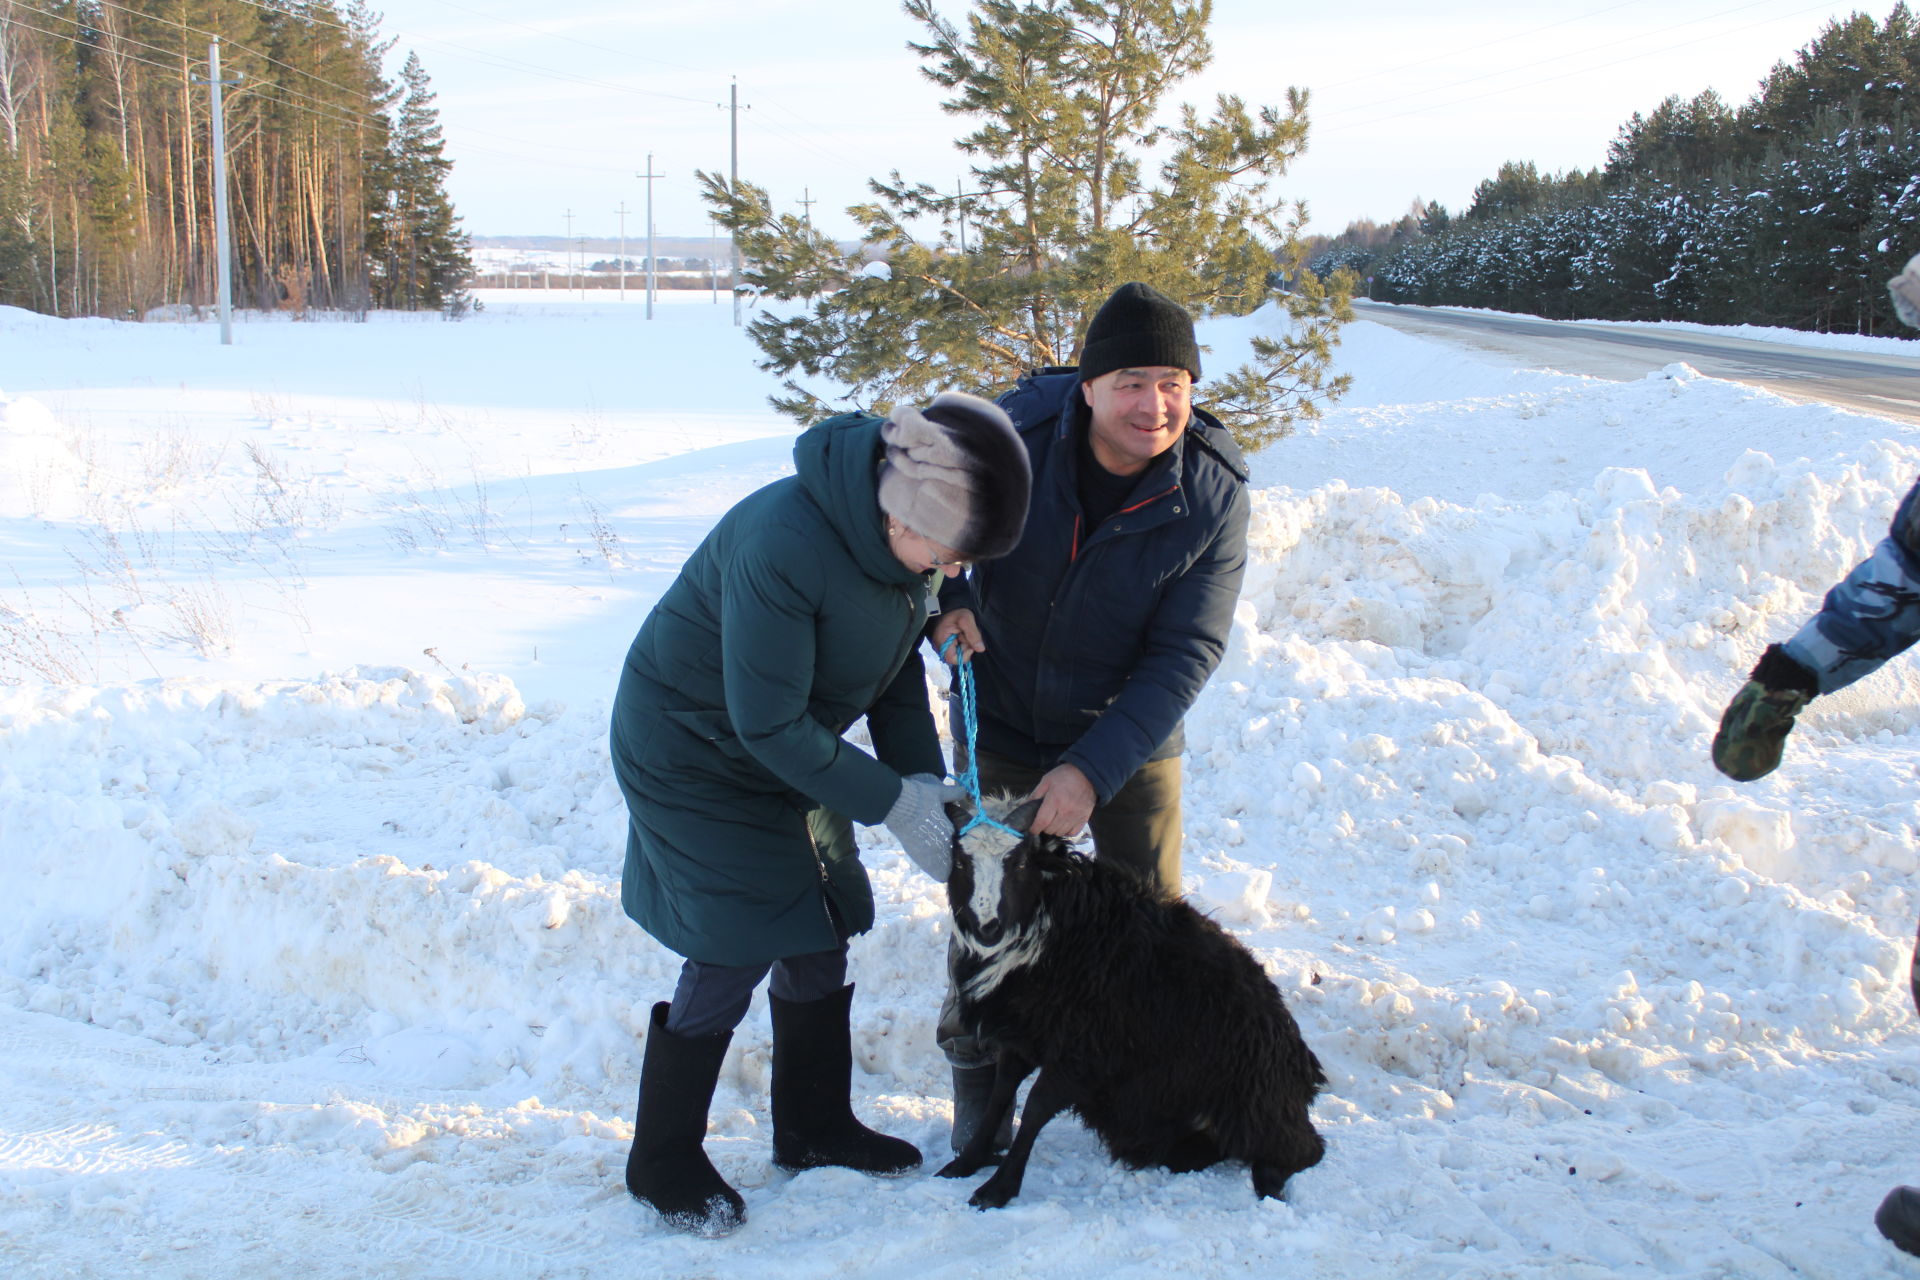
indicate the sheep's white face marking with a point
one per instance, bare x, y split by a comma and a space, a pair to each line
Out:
1015, 942
987, 849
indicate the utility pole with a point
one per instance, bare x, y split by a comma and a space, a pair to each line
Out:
568, 243
650, 175
623, 248
222, 236
734, 181
806, 217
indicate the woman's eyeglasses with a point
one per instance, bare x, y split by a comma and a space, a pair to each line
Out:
938, 557
944, 559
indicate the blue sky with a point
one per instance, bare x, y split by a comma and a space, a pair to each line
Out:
551, 111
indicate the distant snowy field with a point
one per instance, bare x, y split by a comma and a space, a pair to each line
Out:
311, 954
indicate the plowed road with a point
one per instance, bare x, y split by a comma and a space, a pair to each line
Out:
1887, 385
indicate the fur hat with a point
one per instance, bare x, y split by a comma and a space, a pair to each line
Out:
1139, 328
957, 473
1905, 289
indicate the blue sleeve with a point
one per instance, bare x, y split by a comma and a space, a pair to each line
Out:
1872, 614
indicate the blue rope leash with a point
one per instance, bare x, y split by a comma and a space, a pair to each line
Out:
970, 776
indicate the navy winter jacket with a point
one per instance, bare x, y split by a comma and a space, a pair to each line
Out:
1099, 639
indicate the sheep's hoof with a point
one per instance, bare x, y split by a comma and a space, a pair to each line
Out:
961, 1167
991, 1195
1270, 1181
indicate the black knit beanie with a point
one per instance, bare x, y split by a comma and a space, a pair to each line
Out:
1139, 328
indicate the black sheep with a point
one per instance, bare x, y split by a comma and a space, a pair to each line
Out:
1144, 1017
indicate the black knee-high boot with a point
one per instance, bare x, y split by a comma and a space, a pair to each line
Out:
668, 1166
813, 1122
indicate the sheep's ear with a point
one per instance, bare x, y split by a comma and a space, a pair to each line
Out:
1021, 819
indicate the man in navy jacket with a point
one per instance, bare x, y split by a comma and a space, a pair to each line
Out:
1091, 640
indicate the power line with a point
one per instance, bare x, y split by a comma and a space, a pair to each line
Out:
267, 92
541, 150
256, 88
501, 62
262, 90
1479, 45
75, 40
286, 95
1533, 84
156, 17
554, 35
1578, 53
119, 38
804, 140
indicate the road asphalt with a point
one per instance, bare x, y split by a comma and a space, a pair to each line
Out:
1886, 385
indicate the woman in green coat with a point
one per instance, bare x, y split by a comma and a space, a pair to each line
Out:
800, 613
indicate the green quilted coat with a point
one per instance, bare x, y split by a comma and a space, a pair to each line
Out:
788, 623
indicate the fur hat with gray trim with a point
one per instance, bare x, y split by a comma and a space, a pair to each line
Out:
957, 473
1905, 289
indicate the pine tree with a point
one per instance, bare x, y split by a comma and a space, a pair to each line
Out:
1856, 68
1682, 141
16, 242
106, 174
1792, 211
420, 256
1063, 95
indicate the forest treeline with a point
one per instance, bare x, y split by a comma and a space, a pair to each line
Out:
336, 178
1791, 210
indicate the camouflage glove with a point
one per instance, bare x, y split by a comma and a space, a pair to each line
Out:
1753, 731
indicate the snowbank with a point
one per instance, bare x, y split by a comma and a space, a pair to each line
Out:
327, 972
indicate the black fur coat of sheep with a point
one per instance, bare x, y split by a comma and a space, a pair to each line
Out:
1143, 1016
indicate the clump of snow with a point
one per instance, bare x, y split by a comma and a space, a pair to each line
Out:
25, 416
311, 951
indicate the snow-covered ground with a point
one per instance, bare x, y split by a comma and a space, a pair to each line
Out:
311, 955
